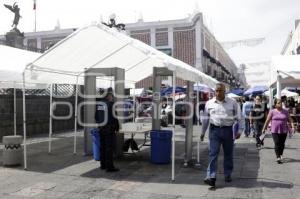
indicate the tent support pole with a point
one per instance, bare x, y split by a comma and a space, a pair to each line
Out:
24, 124
134, 113
173, 123
15, 110
278, 95
198, 124
270, 97
50, 119
75, 119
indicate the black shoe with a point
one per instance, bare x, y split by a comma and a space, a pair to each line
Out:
228, 179
210, 181
112, 170
258, 146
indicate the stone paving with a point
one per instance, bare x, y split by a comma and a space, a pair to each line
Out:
64, 175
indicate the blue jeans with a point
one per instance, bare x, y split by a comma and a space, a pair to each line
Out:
258, 126
247, 127
218, 137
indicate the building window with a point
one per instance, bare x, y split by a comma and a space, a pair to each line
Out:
49, 42
161, 37
142, 35
207, 43
208, 69
215, 73
222, 76
185, 46
32, 44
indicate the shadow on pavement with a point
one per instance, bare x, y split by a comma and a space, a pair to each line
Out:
290, 160
138, 167
260, 182
292, 148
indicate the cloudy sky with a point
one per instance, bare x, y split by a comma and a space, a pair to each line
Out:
229, 20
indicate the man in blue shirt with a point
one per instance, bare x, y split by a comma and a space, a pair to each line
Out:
247, 107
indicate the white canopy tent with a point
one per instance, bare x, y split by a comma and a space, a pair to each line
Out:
12, 63
98, 46
284, 92
285, 72
289, 93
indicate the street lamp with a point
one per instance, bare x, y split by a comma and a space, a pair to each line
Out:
113, 23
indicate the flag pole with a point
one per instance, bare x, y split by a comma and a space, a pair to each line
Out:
35, 21
34, 7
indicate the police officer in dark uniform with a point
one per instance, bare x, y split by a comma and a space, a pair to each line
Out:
107, 132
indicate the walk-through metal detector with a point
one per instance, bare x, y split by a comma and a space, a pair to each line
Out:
90, 98
156, 111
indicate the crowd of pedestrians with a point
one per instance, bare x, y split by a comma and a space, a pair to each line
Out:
283, 118
253, 116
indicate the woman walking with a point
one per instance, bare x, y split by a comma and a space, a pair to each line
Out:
279, 118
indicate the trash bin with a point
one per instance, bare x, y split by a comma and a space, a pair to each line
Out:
12, 153
161, 146
96, 143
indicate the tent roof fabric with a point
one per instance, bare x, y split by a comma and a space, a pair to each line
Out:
255, 90
237, 91
97, 46
12, 65
289, 66
232, 95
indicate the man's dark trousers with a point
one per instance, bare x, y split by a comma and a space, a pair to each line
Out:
107, 145
220, 136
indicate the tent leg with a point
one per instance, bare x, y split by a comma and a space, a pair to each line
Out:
278, 95
198, 124
270, 98
50, 120
189, 126
24, 125
75, 122
173, 137
134, 113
